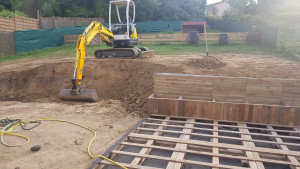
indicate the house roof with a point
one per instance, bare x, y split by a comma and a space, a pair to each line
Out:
193, 22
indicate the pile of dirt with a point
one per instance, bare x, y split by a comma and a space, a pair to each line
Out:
130, 81
207, 63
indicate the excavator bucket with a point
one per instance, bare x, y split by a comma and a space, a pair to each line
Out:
85, 95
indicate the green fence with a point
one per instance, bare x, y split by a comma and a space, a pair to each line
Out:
268, 33
29, 40
158, 26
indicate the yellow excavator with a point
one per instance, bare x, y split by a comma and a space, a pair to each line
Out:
121, 36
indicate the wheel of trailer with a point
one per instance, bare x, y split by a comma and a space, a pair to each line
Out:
223, 39
193, 38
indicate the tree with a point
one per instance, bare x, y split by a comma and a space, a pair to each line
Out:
6, 4
101, 9
180, 10
29, 7
275, 10
242, 7
47, 10
212, 10
146, 10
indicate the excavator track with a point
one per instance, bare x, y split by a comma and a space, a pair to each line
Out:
125, 53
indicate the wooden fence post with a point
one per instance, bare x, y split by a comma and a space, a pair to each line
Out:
38, 14
15, 26
99, 39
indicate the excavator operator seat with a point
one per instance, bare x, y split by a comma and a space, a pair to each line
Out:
121, 28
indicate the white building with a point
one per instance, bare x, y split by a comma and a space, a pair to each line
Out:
221, 7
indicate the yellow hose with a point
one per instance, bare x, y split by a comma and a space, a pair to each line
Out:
9, 131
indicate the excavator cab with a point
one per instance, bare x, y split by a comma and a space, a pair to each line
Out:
124, 31
125, 34
121, 28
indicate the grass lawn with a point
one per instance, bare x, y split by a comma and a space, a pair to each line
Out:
161, 49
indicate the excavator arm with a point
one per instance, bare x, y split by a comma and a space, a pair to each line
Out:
122, 37
90, 32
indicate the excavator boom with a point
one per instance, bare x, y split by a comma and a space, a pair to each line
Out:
76, 93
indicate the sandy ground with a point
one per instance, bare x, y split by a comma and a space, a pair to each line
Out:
63, 145
238, 65
29, 88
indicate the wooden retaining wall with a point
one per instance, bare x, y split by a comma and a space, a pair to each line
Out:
237, 37
7, 44
270, 101
18, 23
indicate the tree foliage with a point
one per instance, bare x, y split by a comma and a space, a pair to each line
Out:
212, 10
146, 10
10, 14
242, 7
263, 11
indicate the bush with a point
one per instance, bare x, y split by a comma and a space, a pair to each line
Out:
10, 14
1, 8
19, 13
289, 51
7, 14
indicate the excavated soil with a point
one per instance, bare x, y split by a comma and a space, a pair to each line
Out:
207, 63
130, 81
29, 89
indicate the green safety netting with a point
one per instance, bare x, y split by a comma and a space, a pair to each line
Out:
29, 40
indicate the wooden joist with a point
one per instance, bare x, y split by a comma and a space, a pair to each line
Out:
172, 142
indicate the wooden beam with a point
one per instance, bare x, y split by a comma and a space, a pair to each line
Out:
284, 147
138, 160
180, 155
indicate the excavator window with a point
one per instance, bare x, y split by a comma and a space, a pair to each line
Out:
121, 28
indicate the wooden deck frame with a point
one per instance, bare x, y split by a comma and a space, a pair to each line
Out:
174, 142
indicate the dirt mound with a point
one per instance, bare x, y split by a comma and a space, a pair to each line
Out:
207, 63
130, 81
